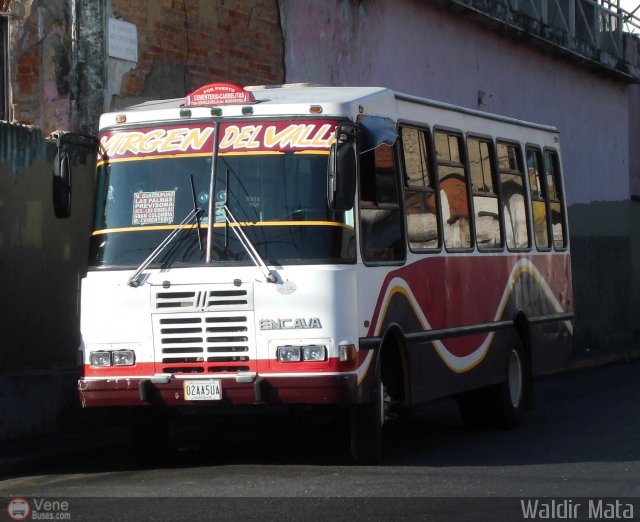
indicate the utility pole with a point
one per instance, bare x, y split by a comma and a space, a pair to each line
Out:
88, 59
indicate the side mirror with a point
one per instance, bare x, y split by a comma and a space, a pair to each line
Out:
61, 189
341, 171
68, 144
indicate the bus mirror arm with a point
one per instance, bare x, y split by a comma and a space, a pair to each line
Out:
61, 189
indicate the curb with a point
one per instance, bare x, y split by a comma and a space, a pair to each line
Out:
593, 359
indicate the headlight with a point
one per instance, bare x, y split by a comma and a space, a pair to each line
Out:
100, 358
288, 353
310, 353
124, 358
314, 353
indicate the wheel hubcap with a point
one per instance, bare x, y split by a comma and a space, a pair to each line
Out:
381, 402
515, 378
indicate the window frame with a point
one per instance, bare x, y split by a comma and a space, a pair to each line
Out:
432, 172
464, 163
558, 181
497, 190
537, 149
401, 261
525, 188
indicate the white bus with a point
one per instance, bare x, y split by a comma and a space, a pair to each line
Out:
306, 245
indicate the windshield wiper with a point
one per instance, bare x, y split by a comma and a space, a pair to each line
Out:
133, 280
196, 210
248, 246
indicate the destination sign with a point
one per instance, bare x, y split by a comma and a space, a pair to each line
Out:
250, 137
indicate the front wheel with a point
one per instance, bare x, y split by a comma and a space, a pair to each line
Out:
366, 426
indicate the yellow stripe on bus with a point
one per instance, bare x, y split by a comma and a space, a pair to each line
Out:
219, 225
208, 155
156, 156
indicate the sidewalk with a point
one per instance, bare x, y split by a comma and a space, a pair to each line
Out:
75, 441
23, 455
594, 358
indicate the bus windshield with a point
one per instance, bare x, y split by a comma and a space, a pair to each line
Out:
277, 196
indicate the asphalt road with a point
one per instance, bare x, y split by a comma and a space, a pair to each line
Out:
579, 445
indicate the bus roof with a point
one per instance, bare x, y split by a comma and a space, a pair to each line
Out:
298, 100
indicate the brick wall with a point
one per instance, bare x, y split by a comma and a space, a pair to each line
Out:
28, 73
39, 65
183, 44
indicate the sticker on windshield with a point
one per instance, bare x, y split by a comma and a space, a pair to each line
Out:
153, 208
221, 201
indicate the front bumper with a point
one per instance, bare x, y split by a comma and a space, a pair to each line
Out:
325, 389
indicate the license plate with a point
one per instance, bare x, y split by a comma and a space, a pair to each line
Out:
209, 390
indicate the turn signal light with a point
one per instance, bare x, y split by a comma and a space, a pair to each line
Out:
348, 352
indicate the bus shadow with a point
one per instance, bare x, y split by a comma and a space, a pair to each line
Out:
580, 417
587, 416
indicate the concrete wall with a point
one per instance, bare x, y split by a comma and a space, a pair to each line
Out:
41, 261
414, 47
632, 49
605, 252
634, 141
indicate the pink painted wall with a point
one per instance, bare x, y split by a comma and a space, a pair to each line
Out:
414, 47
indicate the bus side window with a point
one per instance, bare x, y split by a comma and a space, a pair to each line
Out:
554, 190
538, 199
453, 190
513, 195
485, 197
419, 193
380, 217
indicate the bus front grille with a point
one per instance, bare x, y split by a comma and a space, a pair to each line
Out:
203, 343
205, 298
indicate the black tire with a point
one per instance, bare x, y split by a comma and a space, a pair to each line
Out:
366, 426
472, 409
501, 405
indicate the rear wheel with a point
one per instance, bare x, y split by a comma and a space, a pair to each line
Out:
500, 405
509, 401
366, 426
